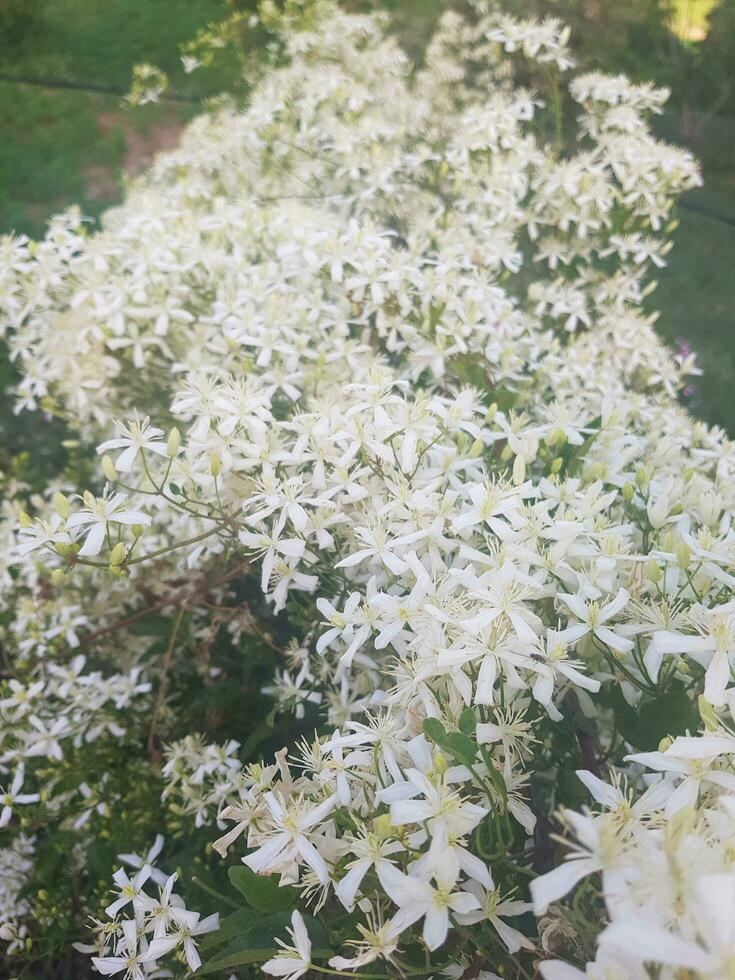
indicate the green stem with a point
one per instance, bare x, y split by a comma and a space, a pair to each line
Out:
214, 893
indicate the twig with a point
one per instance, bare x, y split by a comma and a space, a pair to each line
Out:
164, 684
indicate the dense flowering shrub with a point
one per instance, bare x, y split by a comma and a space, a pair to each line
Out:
379, 411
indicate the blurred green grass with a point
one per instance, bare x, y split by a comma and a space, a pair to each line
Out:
696, 297
61, 147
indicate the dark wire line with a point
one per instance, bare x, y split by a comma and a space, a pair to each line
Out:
60, 83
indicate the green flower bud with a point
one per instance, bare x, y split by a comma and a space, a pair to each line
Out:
382, 826
477, 449
708, 714
665, 743
216, 465
25, 520
441, 763
137, 530
557, 464
681, 823
683, 554
491, 412
62, 505
628, 492
653, 572
173, 442
109, 469
58, 577
117, 555
641, 476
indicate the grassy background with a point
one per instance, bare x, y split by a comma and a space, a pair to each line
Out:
61, 147
65, 146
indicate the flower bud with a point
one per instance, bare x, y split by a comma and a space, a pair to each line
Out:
477, 449
62, 505
109, 469
440, 762
137, 530
25, 520
58, 577
216, 466
557, 464
491, 412
708, 714
117, 555
653, 571
89, 498
683, 554
681, 823
665, 743
382, 826
641, 476
173, 442
628, 492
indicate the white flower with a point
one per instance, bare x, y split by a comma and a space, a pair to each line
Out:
12, 796
417, 899
136, 437
289, 838
186, 925
99, 513
130, 890
708, 950
592, 618
127, 955
294, 960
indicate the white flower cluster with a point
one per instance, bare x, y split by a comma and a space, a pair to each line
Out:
16, 864
157, 927
666, 861
404, 340
65, 703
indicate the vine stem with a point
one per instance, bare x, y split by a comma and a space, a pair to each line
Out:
170, 600
158, 553
164, 681
214, 893
337, 973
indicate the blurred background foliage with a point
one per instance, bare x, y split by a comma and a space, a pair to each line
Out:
69, 136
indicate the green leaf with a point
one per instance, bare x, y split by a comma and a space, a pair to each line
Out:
230, 926
434, 730
232, 958
467, 722
254, 939
462, 747
153, 625
262, 892
643, 727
